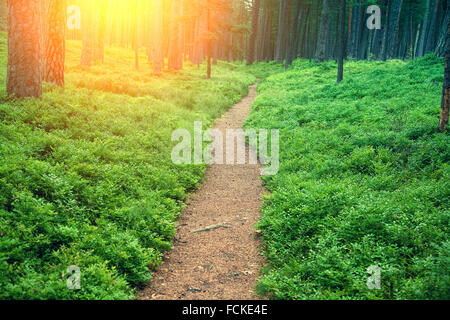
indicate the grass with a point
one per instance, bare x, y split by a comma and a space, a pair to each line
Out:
363, 180
86, 177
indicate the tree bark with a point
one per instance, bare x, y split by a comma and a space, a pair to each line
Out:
136, 35
430, 46
174, 35
384, 45
98, 54
251, 46
55, 48
443, 122
158, 58
323, 32
87, 50
342, 40
394, 24
279, 54
425, 28
208, 41
295, 35
24, 77
440, 47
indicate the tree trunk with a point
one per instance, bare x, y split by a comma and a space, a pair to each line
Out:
323, 32
24, 78
430, 46
174, 34
384, 46
305, 25
54, 48
440, 47
443, 123
416, 42
342, 40
88, 37
158, 58
208, 41
295, 34
99, 27
251, 45
424, 33
394, 25
279, 56
136, 35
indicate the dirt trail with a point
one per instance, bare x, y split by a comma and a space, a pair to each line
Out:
222, 263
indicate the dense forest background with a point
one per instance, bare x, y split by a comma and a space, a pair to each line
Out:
254, 31
89, 100
266, 30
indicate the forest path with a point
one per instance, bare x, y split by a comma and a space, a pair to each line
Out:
222, 263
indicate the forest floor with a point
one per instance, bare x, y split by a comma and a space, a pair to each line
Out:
222, 263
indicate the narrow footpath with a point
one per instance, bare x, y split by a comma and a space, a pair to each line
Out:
216, 252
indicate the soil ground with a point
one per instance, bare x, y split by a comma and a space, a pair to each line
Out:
222, 263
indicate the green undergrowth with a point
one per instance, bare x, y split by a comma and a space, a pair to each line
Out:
86, 177
363, 181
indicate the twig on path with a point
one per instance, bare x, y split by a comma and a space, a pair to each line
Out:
212, 227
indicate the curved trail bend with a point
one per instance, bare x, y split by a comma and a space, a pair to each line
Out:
222, 263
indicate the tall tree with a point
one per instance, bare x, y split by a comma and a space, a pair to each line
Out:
295, 35
137, 28
431, 32
87, 20
54, 47
282, 17
323, 32
100, 10
208, 40
440, 46
342, 40
394, 24
425, 27
252, 41
384, 45
443, 123
175, 55
24, 78
158, 57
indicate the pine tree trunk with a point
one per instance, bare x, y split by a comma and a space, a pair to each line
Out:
359, 29
264, 36
394, 24
305, 29
440, 47
443, 123
293, 43
158, 58
87, 50
323, 32
136, 35
416, 42
384, 46
174, 42
54, 48
430, 46
424, 32
251, 46
208, 41
342, 41
98, 54
24, 78
296, 34
279, 54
